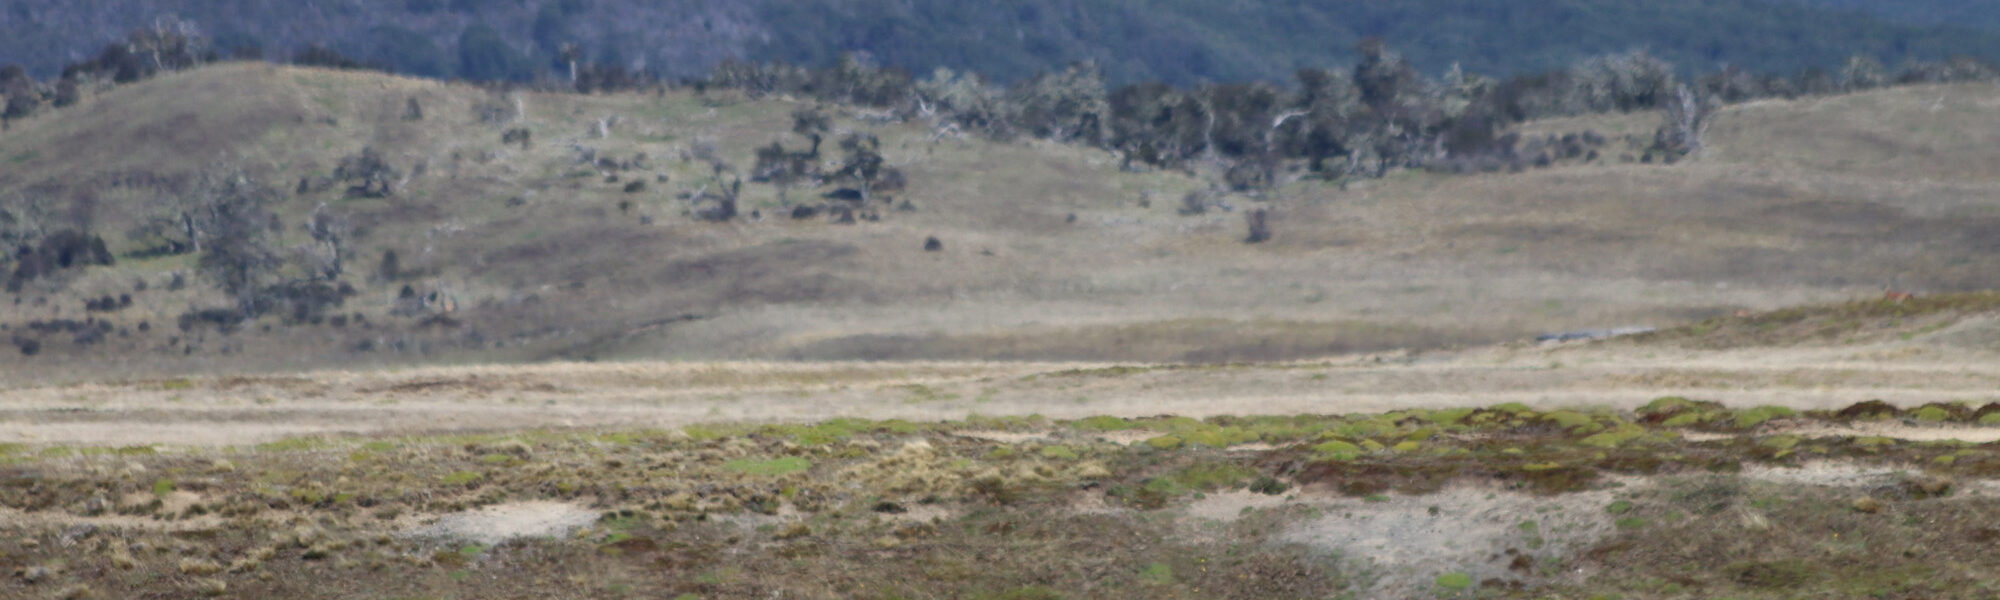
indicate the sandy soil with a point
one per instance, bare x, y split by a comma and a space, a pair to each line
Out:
1402, 543
501, 522
244, 410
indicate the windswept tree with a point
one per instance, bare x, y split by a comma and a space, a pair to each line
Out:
813, 124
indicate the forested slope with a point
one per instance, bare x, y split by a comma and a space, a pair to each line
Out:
1178, 41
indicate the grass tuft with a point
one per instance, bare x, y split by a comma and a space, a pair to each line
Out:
772, 467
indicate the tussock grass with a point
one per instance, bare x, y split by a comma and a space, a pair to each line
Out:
813, 509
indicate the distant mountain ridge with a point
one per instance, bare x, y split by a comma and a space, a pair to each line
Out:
1179, 41
1972, 14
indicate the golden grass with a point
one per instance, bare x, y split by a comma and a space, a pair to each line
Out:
1792, 205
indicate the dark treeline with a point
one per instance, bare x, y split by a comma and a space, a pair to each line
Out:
1182, 42
1383, 113
1379, 115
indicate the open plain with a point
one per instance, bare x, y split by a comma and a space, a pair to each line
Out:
1082, 393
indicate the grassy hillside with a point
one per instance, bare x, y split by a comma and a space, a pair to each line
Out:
1048, 251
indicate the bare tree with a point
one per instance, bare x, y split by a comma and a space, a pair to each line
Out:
1687, 120
725, 199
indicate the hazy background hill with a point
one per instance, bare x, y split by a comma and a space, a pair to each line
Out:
1957, 13
1179, 41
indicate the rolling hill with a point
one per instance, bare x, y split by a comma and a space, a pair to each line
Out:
521, 344
1048, 252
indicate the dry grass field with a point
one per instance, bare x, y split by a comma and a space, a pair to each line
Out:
1084, 394
1817, 200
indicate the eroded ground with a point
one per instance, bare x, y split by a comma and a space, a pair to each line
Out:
1848, 451
1676, 498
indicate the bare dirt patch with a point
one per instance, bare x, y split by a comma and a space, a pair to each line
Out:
501, 522
1405, 542
1231, 505
1900, 431
1824, 473
1005, 437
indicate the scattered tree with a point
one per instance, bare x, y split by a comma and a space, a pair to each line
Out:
1259, 220
784, 170
22, 99
812, 124
391, 267
864, 168
376, 177
1066, 106
517, 134
328, 253
238, 237
67, 92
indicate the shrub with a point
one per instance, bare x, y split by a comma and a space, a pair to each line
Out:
1260, 226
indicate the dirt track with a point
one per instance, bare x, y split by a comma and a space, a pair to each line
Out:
235, 410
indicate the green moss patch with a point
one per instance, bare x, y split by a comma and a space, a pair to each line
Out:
771, 467
1454, 581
